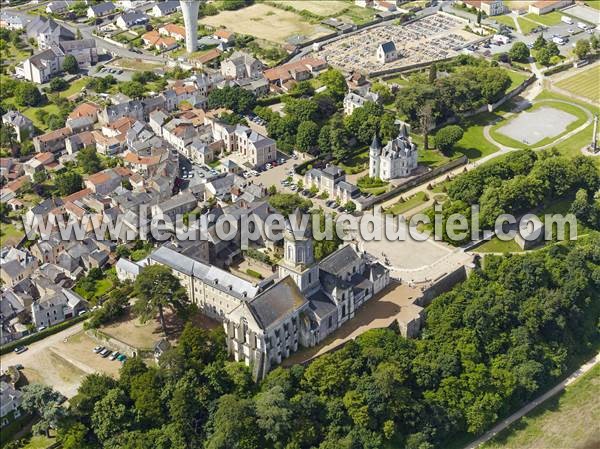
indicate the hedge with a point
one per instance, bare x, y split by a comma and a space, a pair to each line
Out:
254, 274
41, 334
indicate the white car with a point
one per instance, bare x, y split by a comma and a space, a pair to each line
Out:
268, 166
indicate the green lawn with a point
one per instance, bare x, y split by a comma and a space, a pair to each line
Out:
516, 78
473, 144
50, 108
552, 18
357, 15
404, 206
75, 87
9, 234
357, 163
505, 20
526, 25
566, 420
495, 245
593, 4
509, 142
39, 442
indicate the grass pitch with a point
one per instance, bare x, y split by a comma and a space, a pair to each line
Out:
584, 84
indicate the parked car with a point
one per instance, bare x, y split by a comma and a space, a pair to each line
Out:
107, 353
115, 355
104, 352
97, 349
122, 358
268, 166
19, 366
21, 349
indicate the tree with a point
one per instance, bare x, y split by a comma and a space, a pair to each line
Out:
539, 43
74, 437
68, 182
519, 52
384, 92
112, 415
40, 176
45, 402
274, 414
350, 206
302, 109
93, 388
89, 161
70, 65
426, 121
478, 17
582, 48
133, 89
26, 94
324, 139
447, 137
594, 42
432, 73
543, 56
234, 424
302, 89
235, 98
57, 84
335, 82
306, 137
157, 288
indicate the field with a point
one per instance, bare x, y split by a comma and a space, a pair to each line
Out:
517, 78
265, 22
473, 144
495, 245
552, 18
505, 20
318, 7
526, 25
565, 421
584, 84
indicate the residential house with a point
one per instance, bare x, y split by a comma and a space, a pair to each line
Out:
224, 35
165, 8
353, 101
489, 7
175, 206
397, 159
52, 141
104, 182
241, 65
87, 109
56, 306
130, 19
101, 10
22, 126
331, 180
299, 70
10, 403
47, 32
177, 32
15, 265
38, 163
11, 22
152, 39
76, 142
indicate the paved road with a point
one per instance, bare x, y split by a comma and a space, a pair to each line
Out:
533, 404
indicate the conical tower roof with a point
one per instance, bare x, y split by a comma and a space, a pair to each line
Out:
375, 143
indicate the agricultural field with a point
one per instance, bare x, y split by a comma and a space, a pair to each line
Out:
584, 84
567, 420
318, 7
266, 22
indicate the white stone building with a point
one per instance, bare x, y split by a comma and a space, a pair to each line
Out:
397, 159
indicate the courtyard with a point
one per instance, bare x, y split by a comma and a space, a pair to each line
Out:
533, 127
432, 38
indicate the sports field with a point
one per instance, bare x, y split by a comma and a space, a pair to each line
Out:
266, 22
318, 7
584, 84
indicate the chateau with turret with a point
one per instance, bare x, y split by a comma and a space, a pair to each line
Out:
397, 159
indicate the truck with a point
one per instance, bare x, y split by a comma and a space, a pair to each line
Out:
567, 19
558, 40
582, 25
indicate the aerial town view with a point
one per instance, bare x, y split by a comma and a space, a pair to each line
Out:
300, 224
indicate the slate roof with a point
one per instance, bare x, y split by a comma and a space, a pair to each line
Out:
276, 302
336, 262
388, 47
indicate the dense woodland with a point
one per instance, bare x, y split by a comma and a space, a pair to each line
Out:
491, 344
523, 181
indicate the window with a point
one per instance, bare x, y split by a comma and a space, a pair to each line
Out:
330, 322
